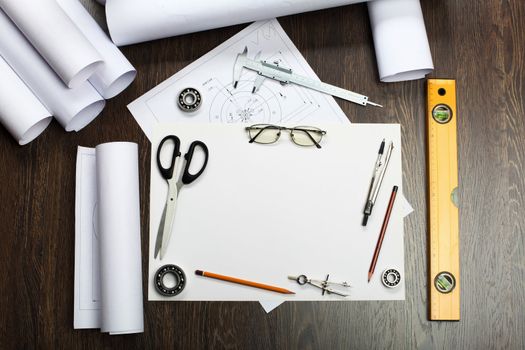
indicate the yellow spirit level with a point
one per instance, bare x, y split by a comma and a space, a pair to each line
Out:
443, 206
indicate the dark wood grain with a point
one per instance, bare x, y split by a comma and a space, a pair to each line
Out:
479, 43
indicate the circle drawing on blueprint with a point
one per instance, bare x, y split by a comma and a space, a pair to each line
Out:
241, 105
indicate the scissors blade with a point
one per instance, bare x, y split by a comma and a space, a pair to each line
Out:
158, 242
171, 203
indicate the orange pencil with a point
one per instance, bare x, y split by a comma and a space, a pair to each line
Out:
243, 282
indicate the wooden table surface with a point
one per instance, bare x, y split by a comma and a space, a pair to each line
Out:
479, 43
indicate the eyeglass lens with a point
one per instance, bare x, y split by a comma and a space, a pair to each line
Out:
306, 135
264, 133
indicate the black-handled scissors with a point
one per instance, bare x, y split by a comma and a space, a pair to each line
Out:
166, 222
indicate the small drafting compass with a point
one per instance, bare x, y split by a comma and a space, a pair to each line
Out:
323, 285
286, 76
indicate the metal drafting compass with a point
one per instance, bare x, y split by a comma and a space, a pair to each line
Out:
323, 285
286, 76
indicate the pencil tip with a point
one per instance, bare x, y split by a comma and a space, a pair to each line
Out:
199, 272
369, 276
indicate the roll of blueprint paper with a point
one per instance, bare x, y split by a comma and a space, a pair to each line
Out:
55, 37
73, 108
119, 233
21, 113
133, 21
115, 73
400, 40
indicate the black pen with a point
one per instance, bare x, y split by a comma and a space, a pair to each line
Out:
377, 179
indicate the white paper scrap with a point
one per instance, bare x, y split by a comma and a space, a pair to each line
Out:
269, 306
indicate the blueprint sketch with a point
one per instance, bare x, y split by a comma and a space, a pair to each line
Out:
212, 76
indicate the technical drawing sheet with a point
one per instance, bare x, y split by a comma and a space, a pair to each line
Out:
212, 76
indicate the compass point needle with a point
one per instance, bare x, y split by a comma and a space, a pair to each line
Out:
374, 104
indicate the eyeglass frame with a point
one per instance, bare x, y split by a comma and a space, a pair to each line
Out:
280, 128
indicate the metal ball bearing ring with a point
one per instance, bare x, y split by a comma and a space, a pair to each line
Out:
189, 100
178, 274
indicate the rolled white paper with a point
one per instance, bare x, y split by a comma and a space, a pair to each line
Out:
116, 73
400, 40
21, 113
73, 108
119, 231
133, 21
55, 37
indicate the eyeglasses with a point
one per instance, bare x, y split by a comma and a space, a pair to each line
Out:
301, 135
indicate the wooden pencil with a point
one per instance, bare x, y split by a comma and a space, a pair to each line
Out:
243, 282
382, 233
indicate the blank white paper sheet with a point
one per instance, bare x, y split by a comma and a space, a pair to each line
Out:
264, 212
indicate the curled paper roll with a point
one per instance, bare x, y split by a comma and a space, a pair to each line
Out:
119, 230
400, 40
133, 21
55, 37
116, 73
73, 108
21, 112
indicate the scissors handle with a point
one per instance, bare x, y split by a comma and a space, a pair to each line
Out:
187, 177
167, 173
